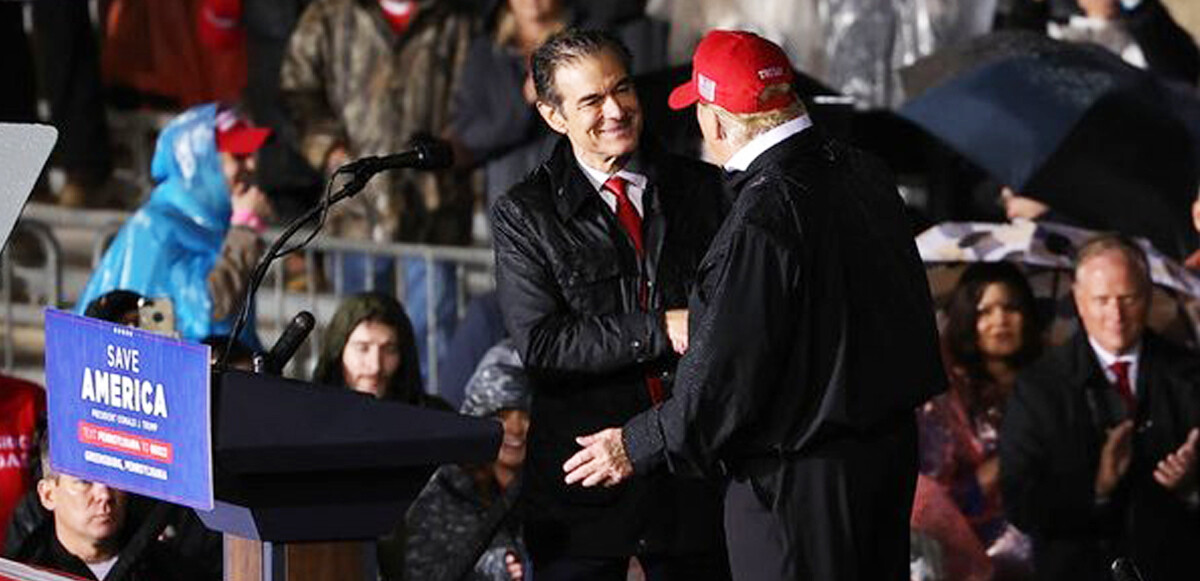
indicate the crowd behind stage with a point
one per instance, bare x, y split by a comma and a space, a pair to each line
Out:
1066, 438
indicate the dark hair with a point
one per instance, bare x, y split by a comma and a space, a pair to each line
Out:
113, 306
570, 46
961, 338
40, 456
380, 308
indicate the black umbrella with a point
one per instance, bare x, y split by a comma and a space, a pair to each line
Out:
1070, 124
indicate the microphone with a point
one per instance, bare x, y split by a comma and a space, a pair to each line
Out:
425, 154
289, 342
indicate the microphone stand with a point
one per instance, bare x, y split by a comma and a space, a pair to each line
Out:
358, 180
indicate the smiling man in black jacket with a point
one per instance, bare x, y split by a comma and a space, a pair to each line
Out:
596, 252
1098, 446
812, 340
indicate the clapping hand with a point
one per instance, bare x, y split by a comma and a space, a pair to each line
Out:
1114, 458
1177, 471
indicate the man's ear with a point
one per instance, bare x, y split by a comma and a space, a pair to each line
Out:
722, 134
45, 492
554, 118
710, 121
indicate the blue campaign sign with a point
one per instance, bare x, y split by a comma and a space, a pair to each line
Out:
129, 408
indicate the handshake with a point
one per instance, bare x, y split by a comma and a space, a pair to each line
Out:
602, 460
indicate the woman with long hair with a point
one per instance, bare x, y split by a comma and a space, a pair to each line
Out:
991, 331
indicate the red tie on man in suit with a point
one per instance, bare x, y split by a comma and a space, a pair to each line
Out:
1123, 387
631, 223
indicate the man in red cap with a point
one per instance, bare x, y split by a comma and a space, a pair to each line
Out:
811, 340
196, 238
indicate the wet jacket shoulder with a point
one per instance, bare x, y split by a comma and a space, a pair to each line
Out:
24, 526
811, 319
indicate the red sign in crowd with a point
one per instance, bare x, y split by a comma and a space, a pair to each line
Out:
21, 403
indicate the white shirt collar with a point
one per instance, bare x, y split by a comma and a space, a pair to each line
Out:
1089, 23
597, 177
742, 158
1107, 358
636, 185
102, 568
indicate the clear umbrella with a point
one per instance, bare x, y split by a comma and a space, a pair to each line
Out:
1046, 252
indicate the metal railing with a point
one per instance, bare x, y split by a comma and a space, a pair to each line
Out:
278, 300
47, 274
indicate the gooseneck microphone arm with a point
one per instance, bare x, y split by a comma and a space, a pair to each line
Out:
426, 155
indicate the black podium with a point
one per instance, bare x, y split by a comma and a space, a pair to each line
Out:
301, 463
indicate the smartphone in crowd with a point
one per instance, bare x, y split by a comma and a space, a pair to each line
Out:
157, 315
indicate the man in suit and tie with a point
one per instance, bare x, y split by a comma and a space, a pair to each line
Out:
1098, 446
596, 252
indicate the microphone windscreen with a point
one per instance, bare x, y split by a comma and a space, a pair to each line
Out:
434, 154
290, 340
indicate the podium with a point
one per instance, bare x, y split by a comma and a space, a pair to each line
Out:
308, 476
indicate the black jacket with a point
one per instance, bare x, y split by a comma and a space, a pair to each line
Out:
1054, 428
568, 281
29, 534
156, 562
811, 322
811, 341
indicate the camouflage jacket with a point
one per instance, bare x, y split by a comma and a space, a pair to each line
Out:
444, 525
350, 81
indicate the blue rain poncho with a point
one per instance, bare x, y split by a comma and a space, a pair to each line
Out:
168, 247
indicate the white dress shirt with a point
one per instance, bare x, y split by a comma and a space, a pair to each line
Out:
635, 185
1106, 360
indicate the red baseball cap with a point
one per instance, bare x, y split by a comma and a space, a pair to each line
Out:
730, 69
237, 135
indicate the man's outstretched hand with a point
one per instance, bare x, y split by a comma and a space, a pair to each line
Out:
602, 461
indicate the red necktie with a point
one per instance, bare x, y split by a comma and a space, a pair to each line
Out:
631, 223
1124, 389
627, 215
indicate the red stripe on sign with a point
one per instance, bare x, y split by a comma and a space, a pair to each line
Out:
125, 442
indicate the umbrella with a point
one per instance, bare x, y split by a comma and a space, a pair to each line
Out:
1069, 124
1046, 251
1182, 100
